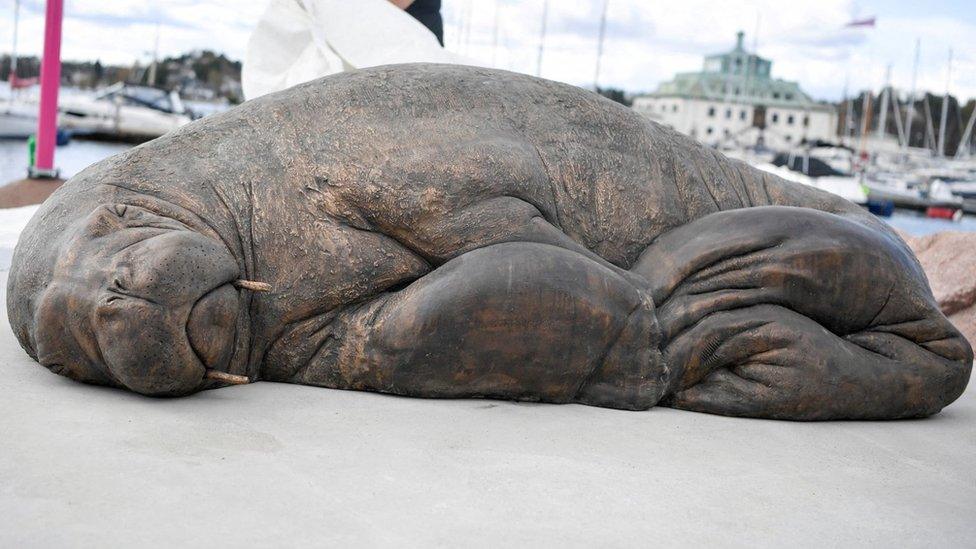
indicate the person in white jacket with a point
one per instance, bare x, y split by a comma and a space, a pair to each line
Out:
428, 12
300, 40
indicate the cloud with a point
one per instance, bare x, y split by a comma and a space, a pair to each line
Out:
647, 41
112, 20
124, 31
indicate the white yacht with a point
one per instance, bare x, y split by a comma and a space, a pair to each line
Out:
806, 170
123, 112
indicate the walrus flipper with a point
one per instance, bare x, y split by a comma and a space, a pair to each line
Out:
767, 312
521, 321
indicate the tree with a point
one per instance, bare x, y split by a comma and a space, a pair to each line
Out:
615, 94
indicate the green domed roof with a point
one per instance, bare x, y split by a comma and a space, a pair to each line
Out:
737, 76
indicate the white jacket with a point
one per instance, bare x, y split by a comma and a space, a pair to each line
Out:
300, 40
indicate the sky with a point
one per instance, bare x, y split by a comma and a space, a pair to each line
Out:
647, 41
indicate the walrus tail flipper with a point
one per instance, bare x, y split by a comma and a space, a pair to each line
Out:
793, 313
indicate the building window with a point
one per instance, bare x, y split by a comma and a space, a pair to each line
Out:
711, 112
737, 91
726, 132
742, 114
728, 113
789, 138
709, 131
674, 108
806, 121
775, 95
789, 120
789, 96
775, 117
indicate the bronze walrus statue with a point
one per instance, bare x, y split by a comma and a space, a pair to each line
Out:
446, 231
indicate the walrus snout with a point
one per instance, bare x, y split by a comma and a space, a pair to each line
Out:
141, 301
211, 327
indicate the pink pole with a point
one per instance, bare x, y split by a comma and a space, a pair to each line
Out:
47, 122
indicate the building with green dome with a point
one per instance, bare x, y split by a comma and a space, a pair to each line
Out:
734, 101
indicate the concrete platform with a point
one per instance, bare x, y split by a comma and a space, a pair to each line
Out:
277, 465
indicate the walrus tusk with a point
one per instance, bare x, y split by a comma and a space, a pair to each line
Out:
227, 378
253, 286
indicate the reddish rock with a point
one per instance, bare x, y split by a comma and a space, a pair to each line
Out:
965, 320
949, 260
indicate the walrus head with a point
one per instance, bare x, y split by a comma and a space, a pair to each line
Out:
140, 301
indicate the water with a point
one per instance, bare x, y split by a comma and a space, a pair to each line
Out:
916, 224
78, 154
70, 159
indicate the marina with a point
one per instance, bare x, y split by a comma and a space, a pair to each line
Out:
80, 153
736, 105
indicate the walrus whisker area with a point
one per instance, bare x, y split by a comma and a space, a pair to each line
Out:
253, 285
227, 378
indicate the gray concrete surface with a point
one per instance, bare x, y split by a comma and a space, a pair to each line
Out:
278, 465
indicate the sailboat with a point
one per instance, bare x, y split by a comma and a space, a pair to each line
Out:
17, 120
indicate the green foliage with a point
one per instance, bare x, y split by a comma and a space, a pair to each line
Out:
615, 94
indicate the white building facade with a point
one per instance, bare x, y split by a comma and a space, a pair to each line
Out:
733, 102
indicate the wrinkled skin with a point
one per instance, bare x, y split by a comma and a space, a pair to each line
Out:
443, 231
147, 279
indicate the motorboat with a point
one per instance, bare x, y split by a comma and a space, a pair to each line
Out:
123, 112
814, 172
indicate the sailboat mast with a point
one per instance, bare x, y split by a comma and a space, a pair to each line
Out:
964, 142
542, 37
945, 108
467, 29
599, 45
843, 102
929, 128
911, 97
494, 34
866, 109
459, 27
883, 120
13, 50
896, 114
152, 67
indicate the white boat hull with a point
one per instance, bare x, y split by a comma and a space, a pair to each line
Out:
85, 116
848, 188
17, 123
